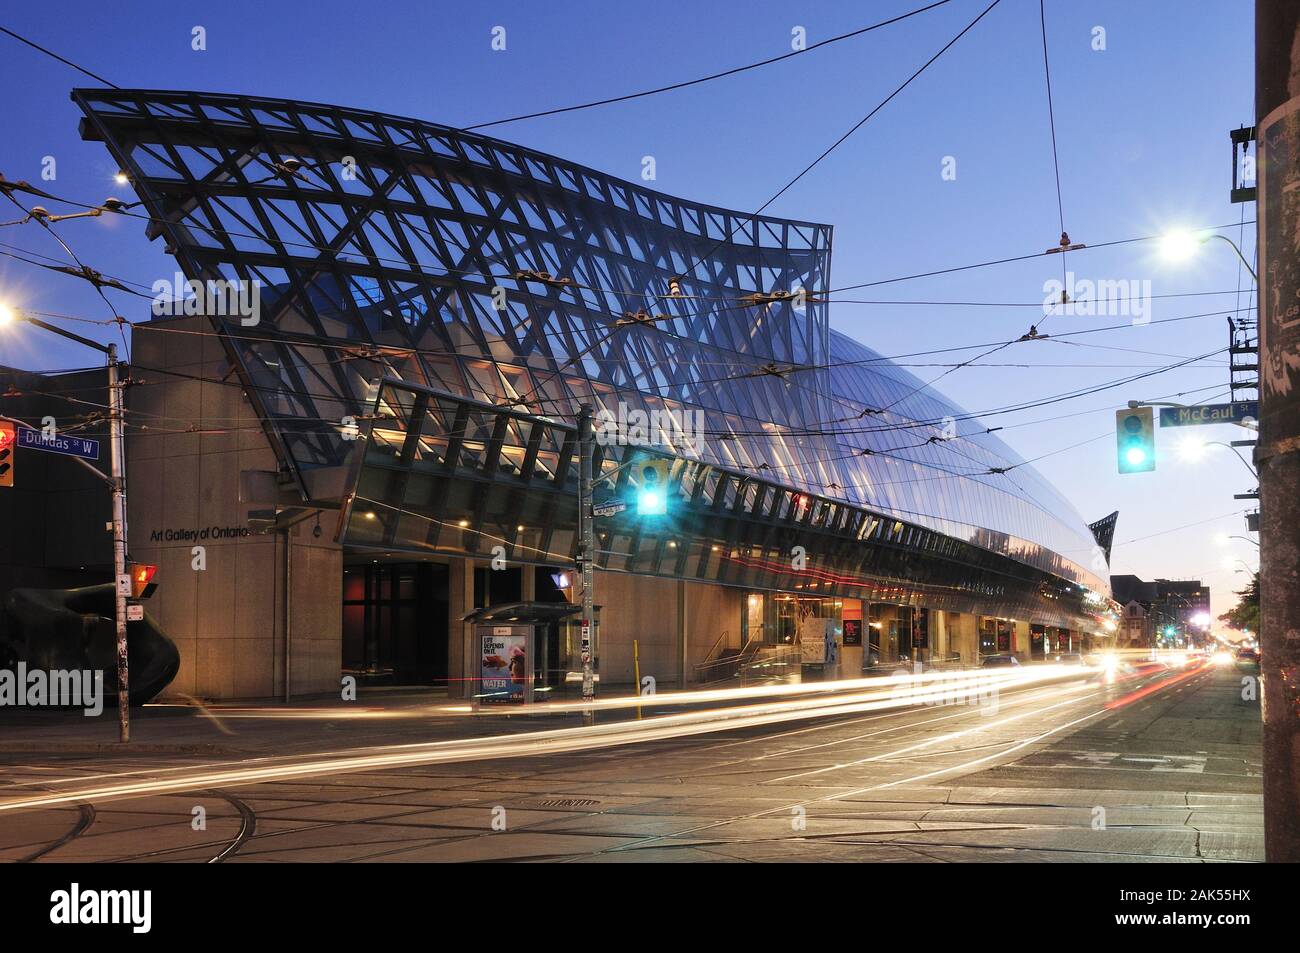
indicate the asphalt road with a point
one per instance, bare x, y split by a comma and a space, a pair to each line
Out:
1160, 765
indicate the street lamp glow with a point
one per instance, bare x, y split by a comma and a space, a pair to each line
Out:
1201, 618
1179, 245
1191, 449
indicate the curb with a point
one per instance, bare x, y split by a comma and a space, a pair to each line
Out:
143, 747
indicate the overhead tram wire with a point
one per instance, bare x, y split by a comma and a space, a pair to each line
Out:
746, 361
753, 216
346, 347
1092, 246
706, 79
1056, 159
907, 425
94, 278
738, 303
65, 61
194, 427
807, 433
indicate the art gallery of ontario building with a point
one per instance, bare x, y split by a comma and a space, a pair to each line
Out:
380, 459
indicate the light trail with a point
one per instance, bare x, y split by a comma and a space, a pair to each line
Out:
530, 744
933, 741
902, 680
1016, 746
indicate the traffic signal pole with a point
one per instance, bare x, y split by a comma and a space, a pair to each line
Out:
587, 553
1277, 455
121, 589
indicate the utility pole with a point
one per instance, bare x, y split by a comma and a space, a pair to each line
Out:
117, 458
1277, 455
116, 480
587, 553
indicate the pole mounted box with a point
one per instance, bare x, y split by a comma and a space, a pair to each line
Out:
1135, 439
8, 440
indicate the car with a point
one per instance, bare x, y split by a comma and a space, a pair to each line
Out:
1247, 655
1000, 661
1067, 658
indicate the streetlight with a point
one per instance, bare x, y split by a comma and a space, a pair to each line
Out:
1222, 539
1193, 449
117, 483
1179, 245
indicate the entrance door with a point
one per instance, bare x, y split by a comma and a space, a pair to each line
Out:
395, 623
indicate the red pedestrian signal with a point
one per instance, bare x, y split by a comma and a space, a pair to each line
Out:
141, 580
8, 438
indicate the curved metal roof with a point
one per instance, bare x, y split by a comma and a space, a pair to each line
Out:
391, 247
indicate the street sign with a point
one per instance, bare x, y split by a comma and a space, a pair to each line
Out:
82, 447
612, 508
134, 612
1233, 413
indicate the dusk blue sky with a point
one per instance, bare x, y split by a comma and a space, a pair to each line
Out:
1142, 130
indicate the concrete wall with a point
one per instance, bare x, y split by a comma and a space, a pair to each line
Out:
963, 636
227, 619
651, 611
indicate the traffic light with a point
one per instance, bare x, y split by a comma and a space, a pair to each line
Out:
142, 585
8, 437
1135, 438
652, 488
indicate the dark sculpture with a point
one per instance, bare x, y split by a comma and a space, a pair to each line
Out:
72, 629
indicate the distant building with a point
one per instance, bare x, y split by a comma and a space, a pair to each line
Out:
1161, 612
51, 512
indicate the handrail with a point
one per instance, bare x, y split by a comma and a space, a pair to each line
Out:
712, 652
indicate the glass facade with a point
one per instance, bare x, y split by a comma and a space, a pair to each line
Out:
452, 299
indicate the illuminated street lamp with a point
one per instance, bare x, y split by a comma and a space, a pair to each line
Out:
1223, 538
1180, 244
1192, 449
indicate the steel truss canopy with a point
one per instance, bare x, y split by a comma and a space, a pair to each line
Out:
397, 258
444, 474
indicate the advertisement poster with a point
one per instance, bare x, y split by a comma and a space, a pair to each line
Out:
852, 631
812, 640
505, 669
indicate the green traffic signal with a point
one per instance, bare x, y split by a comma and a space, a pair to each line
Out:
652, 492
1135, 437
651, 502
